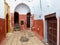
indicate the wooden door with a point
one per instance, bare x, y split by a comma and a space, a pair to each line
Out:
16, 17
28, 19
52, 31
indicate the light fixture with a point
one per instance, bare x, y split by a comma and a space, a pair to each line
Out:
15, 0
30, 0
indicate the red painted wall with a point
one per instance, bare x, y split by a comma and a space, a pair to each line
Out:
21, 17
38, 29
2, 30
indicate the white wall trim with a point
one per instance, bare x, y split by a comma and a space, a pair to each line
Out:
58, 31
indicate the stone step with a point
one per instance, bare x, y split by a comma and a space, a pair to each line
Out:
16, 27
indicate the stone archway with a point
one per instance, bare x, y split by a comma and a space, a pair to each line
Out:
22, 9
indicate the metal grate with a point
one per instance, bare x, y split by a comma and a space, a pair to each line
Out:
24, 39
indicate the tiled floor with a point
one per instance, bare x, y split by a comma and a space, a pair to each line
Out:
14, 38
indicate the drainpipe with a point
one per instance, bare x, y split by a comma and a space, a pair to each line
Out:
40, 9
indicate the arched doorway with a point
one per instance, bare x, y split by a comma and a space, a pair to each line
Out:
16, 21
22, 8
16, 17
24, 14
28, 19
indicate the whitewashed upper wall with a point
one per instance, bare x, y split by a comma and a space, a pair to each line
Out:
48, 6
1, 9
51, 6
22, 9
33, 4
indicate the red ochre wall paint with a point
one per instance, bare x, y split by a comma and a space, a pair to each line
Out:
38, 29
2, 30
24, 18
37, 25
21, 17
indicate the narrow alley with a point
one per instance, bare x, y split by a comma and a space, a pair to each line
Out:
29, 22
15, 38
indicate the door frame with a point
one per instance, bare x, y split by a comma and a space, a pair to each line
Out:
45, 24
14, 17
28, 14
8, 23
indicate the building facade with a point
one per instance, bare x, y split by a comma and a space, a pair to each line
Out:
42, 17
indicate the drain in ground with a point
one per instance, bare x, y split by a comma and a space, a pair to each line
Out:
24, 39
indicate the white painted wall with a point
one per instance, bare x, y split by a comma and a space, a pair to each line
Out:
34, 6
22, 9
1, 9
50, 6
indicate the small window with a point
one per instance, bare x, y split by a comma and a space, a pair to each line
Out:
22, 22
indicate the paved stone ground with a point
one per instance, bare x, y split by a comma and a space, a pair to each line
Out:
14, 38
